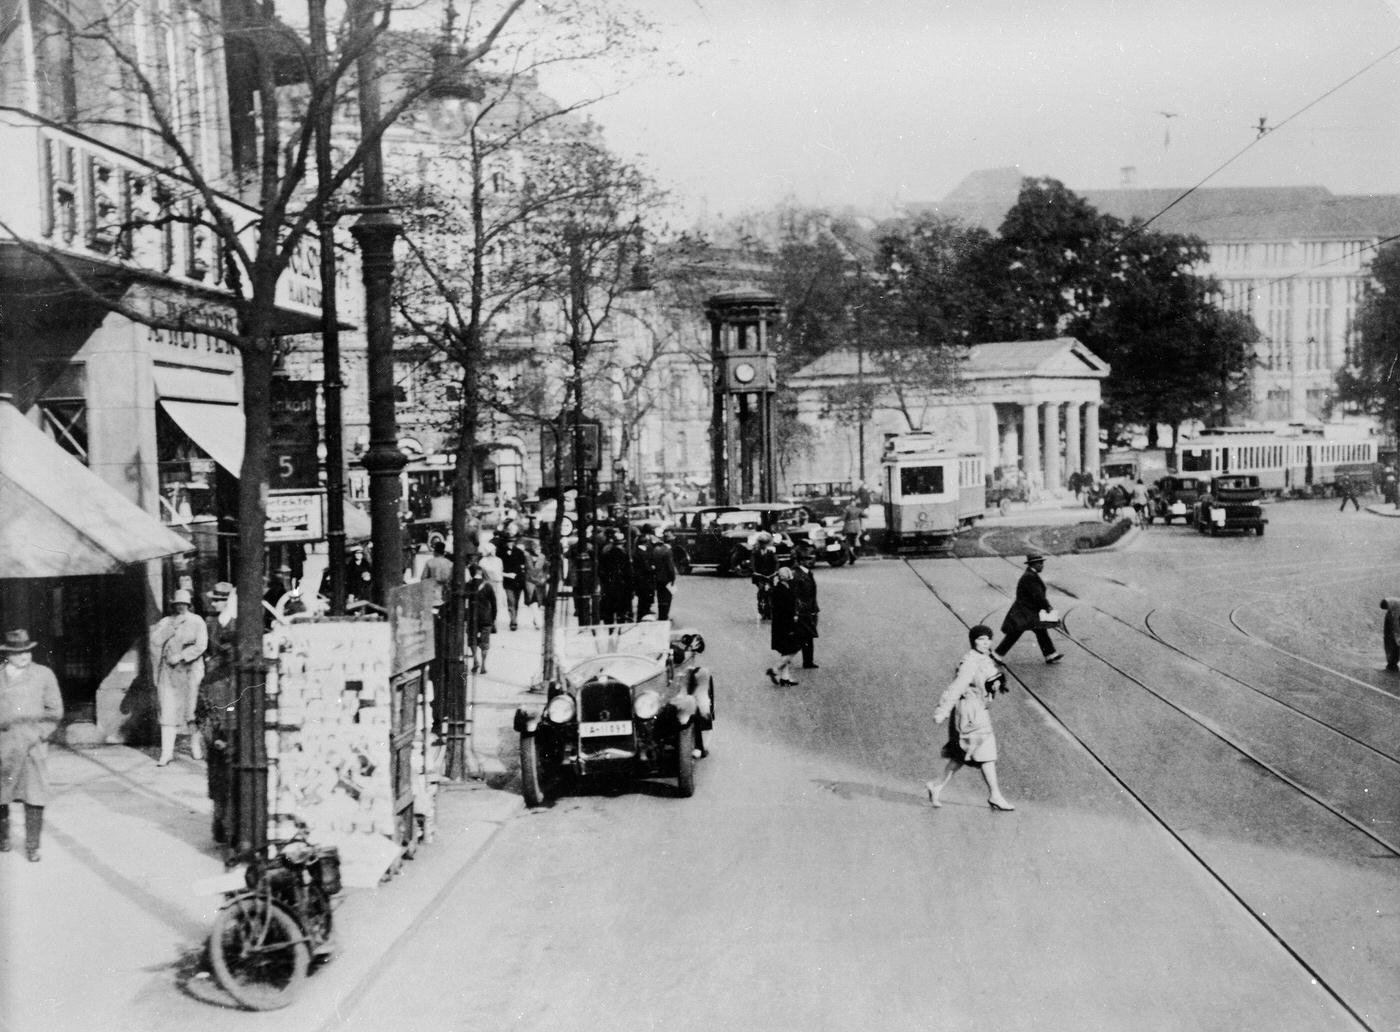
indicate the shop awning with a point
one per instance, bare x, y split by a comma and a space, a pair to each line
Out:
217, 429
59, 519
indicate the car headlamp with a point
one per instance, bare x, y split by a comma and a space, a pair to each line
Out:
646, 705
560, 709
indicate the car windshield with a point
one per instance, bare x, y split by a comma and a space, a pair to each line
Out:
733, 520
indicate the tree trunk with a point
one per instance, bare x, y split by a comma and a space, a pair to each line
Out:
250, 772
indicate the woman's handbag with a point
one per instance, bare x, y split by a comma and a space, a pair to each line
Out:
970, 713
1050, 618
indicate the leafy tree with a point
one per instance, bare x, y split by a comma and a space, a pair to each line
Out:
1371, 378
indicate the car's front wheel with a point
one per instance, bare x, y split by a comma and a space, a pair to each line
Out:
685, 761
740, 563
682, 561
531, 782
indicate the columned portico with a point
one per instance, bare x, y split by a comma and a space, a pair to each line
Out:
1030, 442
1051, 415
1010, 412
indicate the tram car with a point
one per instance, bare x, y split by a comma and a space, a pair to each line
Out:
930, 493
1284, 463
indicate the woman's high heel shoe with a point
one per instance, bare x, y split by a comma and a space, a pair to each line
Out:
1000, 806
933, 794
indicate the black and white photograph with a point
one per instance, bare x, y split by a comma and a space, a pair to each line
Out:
715, 515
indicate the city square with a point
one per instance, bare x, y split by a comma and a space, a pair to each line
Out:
457, 575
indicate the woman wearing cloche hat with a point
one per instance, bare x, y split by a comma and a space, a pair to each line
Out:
30, 709
178, 644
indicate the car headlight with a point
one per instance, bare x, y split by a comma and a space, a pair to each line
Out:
646, 705
560, 709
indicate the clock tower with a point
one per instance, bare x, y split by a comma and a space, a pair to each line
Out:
745, 385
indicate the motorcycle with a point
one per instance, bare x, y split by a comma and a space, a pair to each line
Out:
276, 918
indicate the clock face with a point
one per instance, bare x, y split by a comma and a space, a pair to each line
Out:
744, 372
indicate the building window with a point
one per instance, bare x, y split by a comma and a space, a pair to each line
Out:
1277, 404
66, 422
1318, 402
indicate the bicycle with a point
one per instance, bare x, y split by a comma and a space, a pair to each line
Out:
276, 917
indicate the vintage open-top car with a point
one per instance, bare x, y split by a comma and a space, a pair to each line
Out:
1234, 502
632, 703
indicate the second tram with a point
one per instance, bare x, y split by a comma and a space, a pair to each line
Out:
930, 493
1283, 463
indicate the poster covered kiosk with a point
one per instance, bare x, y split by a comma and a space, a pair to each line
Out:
348, 729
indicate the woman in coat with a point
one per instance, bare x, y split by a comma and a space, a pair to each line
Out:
970, 736
787, 636
30, 709
179, 642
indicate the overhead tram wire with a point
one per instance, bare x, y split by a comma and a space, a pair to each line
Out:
1270, 130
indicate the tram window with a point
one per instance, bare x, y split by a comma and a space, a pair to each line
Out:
1195, 460
920, 480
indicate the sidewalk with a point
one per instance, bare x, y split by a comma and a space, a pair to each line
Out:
106, 932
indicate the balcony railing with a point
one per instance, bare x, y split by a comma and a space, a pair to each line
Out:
78, 197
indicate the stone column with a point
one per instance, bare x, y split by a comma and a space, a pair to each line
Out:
1091, 438
1030, 443
991, 431
1010, 443
1051, 416
1074, 459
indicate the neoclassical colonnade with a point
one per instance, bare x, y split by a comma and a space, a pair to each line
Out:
1047, 441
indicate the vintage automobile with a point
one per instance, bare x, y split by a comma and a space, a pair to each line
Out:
632, 703
1176, 498
1234, 502
822, 499
722, 536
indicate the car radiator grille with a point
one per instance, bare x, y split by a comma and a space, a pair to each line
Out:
605, 701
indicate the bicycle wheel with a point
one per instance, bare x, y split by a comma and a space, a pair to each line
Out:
258, 953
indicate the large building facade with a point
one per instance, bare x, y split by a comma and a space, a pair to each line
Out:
96, 212
1295, 259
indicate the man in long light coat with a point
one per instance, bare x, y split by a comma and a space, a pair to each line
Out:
30, 709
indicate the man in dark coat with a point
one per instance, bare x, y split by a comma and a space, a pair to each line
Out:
513, 563
214, 711
643, 572
481, 616
615, 580
663, 568
1024, 614
1390, 633
805, 588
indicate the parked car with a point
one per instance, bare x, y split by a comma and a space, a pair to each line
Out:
1177, 497
638, 710
1234, 502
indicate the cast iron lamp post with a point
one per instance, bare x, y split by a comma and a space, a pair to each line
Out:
375, 232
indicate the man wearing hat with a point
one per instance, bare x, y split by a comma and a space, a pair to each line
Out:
1024, 614
178, 644
30, 709
214, 711
804, 586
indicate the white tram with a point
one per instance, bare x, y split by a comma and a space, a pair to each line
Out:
1283, 462
930, 493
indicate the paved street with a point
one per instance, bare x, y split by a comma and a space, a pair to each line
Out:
1205, 835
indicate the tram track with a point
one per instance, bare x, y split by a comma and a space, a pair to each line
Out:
1162, 820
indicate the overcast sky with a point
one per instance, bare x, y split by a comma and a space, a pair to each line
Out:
871, 102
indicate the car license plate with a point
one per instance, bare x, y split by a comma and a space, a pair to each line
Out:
599, 728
